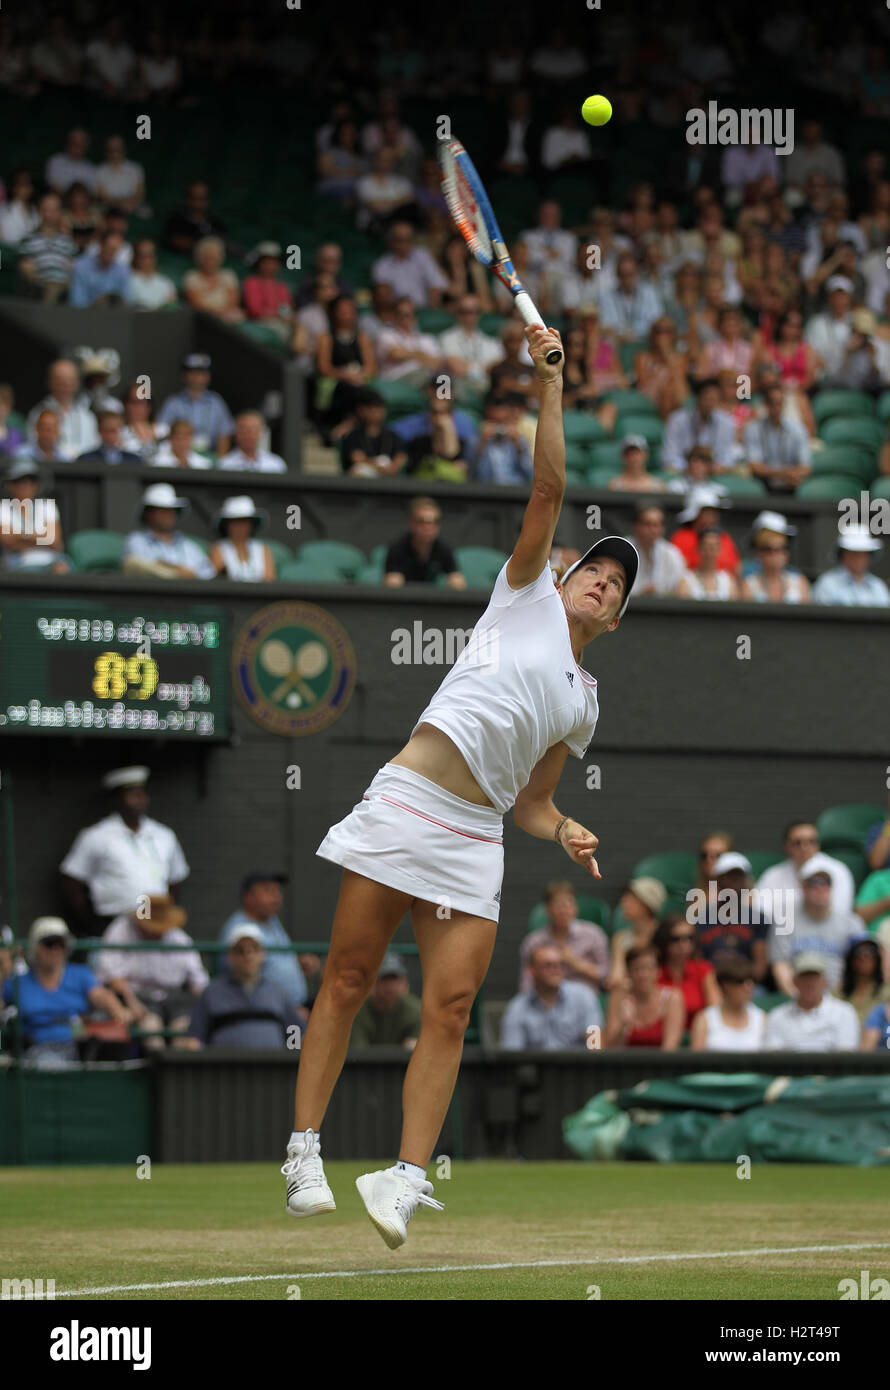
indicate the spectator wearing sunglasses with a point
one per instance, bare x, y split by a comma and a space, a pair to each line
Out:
734, 1024
818, 927
773, 581
710, 848
801, 842
695, 979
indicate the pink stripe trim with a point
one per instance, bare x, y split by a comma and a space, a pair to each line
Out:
591, 681
487, 838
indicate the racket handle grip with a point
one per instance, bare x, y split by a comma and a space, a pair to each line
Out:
526, 307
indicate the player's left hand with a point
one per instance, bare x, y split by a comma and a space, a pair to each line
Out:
580, 845
540, 341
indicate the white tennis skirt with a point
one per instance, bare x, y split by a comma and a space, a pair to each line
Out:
412, 834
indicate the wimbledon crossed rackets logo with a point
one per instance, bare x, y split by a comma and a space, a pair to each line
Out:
293, 667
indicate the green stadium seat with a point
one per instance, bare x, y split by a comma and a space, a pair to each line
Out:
590, 909
827, 404
627, 354
480, 564
370, 574
853, 429
378, 554
301, 572
845, 826
739, 486
401, 398
631, 402
676, 869
492, 324
600, 475
434, 320
884, 406
880, 487
606, 455
832, 486
264, 335
575, 477
281, 554
854, 860
844, 458
762, 859
96, 552
649, 426
577, 456
582, 428
340, 556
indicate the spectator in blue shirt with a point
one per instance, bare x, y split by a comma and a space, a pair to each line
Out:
440, 440
243, 1007
555, 1012
502, 454
100, 279
261, 899
205, 410
849, 583
54, 992
158, 547
629, 311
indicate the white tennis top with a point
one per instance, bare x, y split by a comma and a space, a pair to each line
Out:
515, 690
722, 1038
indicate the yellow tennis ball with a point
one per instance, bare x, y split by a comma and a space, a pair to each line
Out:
597, 110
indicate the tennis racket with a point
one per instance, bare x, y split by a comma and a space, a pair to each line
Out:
469, 206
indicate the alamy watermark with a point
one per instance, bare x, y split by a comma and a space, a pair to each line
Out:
29, 517
748, 126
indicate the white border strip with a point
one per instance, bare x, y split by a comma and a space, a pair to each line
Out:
592, 1262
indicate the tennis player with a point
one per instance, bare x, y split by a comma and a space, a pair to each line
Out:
427, 836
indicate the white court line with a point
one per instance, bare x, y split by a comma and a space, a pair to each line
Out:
477, 1268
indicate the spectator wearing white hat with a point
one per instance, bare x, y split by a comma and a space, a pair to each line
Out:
243, 1007
261, 895
800, 842
777, 449
158, 547
814, 1021
703, 423
734, 923
210, 417
661, 564
641, 904
772, 581
52, 992
816, 925
849, 583
122, 857
829, 333
634, 476
159, 985
702, 511
238, 554
247, 454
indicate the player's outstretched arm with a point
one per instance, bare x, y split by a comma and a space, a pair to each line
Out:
533, 547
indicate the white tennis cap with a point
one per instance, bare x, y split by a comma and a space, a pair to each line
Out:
773, 521
244, 929
45, 928
725, 863
616, 548
136, 776
701, 497
857, 538
162, 495
816, 864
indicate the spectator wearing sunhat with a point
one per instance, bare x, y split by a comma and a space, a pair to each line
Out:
159, 986
702, 511
860, 369
267, 300
158, 547
248, 454
850, 584
243, 1007
641, 904
121, 858
817, 925
390, 1016
633, 476
828, 333
777, 449
238, 554
735, 922
261, 895
206, 410
772, 581
52, 992
814, 1021
30, 532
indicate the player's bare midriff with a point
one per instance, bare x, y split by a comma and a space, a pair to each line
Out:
432, 754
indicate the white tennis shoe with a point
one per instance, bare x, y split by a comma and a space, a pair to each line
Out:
391, 1199
308, 1193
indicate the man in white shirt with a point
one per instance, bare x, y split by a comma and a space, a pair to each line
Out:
565, 143
828, 334
550, 246
123, 858
469, 352
78, 431
661, 564
816, 925
403, 351
71, 165
813, 154
248, 453
801, 842
815, 1021
410, 269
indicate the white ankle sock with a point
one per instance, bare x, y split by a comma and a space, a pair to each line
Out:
298, 1139
411, 1170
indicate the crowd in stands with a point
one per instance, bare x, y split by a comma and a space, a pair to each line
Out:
795, 958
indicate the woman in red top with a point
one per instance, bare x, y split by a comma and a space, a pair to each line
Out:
702, 513
645, 1014
695, 979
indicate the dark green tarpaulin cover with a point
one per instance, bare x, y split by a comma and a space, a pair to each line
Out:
713, 1118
